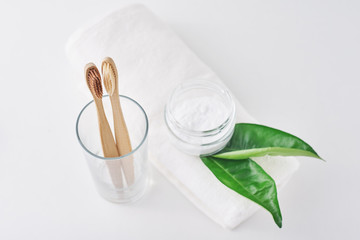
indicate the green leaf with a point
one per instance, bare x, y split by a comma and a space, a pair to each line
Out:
247, 178
253, 140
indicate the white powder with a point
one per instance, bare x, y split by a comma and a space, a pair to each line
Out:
201, 117
200, 113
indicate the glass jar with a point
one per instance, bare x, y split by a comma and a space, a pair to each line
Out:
200, 116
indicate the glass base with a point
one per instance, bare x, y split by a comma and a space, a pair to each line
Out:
125, 195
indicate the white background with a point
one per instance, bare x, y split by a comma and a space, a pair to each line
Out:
293, 64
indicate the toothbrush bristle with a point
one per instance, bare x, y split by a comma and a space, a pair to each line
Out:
94, 82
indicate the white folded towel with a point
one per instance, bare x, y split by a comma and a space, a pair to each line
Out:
152, 60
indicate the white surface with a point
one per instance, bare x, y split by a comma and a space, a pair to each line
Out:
157, 65
293, 65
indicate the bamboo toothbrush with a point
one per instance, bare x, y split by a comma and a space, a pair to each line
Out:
93, 80
110, 77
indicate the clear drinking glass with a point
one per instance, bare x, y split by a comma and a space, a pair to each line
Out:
110, 176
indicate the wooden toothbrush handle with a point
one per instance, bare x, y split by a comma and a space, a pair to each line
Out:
109, 146
122, 139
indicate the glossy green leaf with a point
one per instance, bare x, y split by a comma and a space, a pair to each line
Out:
253, 140
247, 178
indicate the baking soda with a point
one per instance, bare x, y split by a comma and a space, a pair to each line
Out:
200, 113
200, 116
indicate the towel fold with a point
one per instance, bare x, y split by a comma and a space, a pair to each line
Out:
152, 60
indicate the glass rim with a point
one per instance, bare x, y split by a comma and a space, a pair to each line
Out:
112, 158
